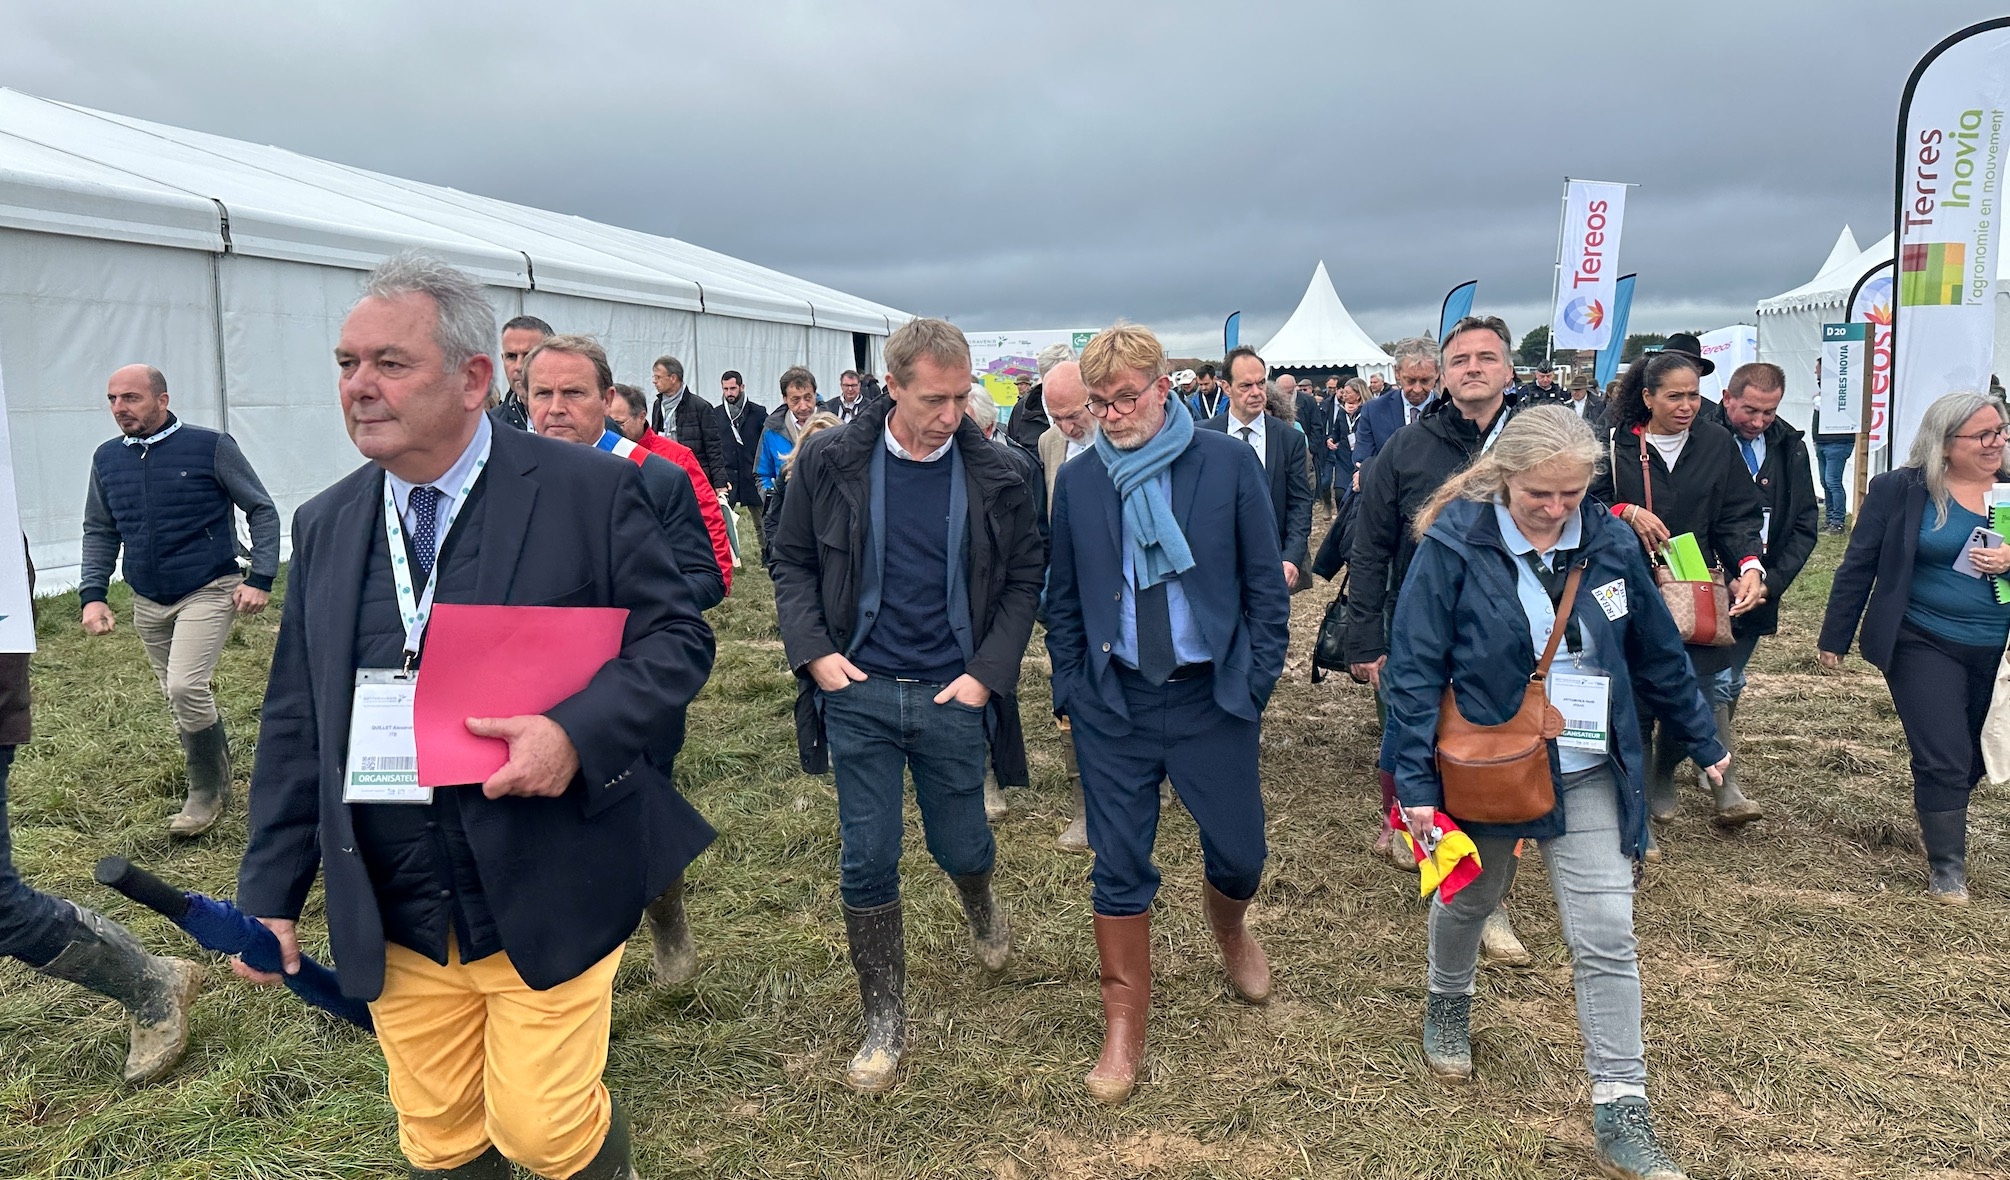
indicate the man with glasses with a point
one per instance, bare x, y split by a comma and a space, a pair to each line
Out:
850, 399
1478, 365
1166, 628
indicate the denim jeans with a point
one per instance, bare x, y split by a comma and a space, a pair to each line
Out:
1593, 882
33, 926
1727, 686
1830, 457
877, 728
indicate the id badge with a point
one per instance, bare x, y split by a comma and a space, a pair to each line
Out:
1586, 705
383, 763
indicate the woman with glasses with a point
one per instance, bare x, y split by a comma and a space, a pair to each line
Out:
1935, 630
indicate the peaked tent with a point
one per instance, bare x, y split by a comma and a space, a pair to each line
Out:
1790, 324
1844, 250
229, 266
1321, 334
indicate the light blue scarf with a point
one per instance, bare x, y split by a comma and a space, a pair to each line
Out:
1158, 548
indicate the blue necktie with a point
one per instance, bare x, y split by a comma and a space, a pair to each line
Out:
424, 509
1751, 456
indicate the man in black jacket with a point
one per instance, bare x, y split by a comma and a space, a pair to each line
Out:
1478, 366
740, 425
1280, 452
484, 922
691, 419
907, 568
1776, 455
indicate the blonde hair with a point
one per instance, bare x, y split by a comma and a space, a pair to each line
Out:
1533, 438
1121, 348
819, 421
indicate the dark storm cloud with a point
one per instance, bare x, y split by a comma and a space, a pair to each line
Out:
1043, 164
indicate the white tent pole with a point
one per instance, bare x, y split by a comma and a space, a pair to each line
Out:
1556, 276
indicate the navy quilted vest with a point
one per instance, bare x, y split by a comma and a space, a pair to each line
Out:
172, 513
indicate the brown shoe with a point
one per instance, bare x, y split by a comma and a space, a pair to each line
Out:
1124, 948
1248, 967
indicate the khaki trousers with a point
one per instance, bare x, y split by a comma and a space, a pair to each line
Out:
476, 1057
184, 641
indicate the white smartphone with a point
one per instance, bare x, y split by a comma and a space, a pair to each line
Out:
1979, 538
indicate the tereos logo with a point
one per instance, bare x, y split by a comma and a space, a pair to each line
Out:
1583, 314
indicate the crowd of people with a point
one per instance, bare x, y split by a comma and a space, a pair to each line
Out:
1496, 543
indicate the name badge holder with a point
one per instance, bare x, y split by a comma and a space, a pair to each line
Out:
383, 758
1586, 705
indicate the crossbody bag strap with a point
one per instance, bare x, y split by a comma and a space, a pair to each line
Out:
1646, 476
1563, 609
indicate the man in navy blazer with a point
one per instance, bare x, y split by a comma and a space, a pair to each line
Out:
498, 910
1401, 404
1166, 626
1281, 450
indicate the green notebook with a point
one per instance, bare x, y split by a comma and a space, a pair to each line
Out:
1999, 521
1685, 559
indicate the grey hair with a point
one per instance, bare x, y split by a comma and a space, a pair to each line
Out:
1416, 348
1050, 356
466, 326
982, 410
1537, 436
1935, 435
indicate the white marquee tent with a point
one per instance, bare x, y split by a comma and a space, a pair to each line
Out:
229, 266
1790, 324
1321, 333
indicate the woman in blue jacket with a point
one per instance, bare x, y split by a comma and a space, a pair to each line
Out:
1495, 545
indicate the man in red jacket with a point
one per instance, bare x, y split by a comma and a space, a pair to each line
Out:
628, 409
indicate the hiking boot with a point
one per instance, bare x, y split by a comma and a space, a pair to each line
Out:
1499, 945
1075, 837
995, 806
1448, 1038
1627, 1149
207, 753
1733, 809
489, 1165
990, 932
1945, 834
1124, 952
675, 959
1248, 967
1663, 759
157, 991
611, 1162
878, 945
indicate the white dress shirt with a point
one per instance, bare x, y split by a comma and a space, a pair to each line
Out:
1250, 432
448, 485
894, 448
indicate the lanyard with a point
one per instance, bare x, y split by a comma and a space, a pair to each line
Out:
1500, 422
1552, 584
416, 610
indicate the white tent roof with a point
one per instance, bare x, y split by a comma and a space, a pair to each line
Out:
1832, 286
1321, 332
1844, 250
68, 169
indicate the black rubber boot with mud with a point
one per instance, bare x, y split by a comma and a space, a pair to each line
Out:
1448, 1038
156, 991
1945, 834
1124, 950
489, 1165
990, 930
611, 1162
878, 943
674, 958
207, 753
1075, 837
1732, 809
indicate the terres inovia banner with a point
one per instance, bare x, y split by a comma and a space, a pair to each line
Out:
1845, 357
1949, 222
1589, 264
1870, 305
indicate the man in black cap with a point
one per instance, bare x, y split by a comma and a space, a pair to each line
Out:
1545, 384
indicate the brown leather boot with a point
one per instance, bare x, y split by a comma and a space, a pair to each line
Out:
1124, 946
1248, 967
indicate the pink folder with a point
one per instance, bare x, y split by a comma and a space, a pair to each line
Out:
500, 661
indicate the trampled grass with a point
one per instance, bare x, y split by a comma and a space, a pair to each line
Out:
1808, 1012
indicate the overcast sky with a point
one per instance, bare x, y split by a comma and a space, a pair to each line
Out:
1056, 165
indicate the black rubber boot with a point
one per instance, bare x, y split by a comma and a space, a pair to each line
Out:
1664, 758
878, 943
611, 1162
489, 1165
208, 755
674, 958
990, 932
104, 956
1945, 834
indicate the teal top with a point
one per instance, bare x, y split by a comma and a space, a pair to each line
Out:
1944, 601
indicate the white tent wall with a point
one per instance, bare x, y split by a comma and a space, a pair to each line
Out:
71, 311
828, 354
633, 335
760, 351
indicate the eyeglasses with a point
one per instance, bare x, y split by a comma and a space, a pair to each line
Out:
1987, 438
1123, 404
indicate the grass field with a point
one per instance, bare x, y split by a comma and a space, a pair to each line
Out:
1808, 1013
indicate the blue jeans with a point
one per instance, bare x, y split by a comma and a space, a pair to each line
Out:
1727, 686
877, 728
1830, 457
1593, 882
34, 927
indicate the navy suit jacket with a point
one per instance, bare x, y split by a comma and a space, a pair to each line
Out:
1290, 481
1381, 418
1235, 590
566, 877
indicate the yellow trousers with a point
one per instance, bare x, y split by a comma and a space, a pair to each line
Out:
476, 1057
